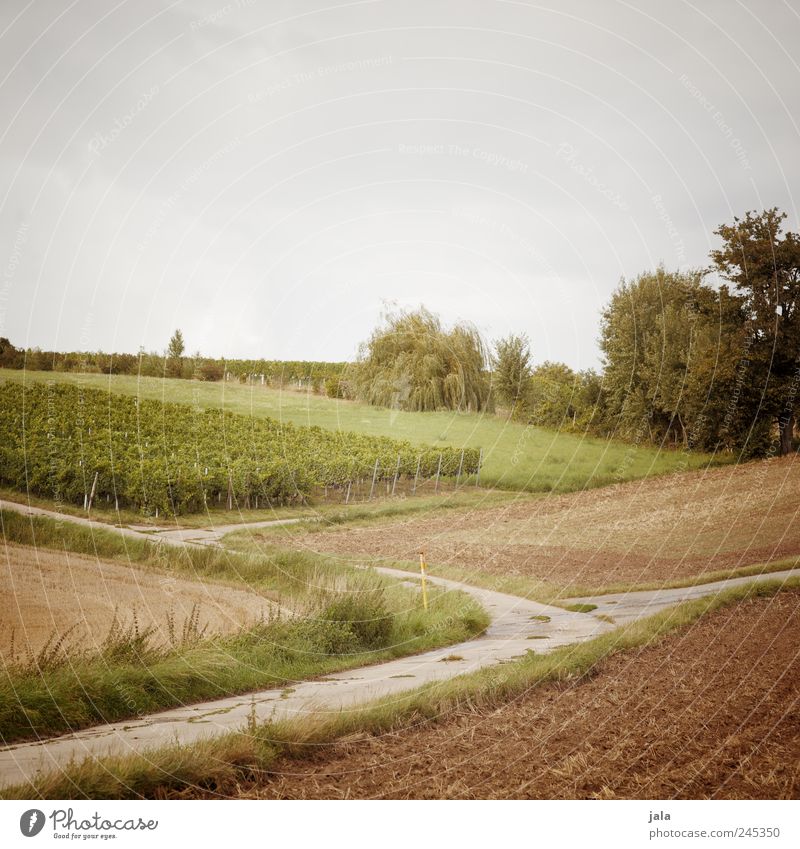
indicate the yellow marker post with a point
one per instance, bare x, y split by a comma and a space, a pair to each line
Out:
422, 572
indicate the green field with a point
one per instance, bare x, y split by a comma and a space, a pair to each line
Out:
515, 456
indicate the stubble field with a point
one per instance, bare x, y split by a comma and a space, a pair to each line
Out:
656, 531
708, 712
48, 594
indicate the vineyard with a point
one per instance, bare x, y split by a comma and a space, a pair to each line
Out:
302, 374
82, 445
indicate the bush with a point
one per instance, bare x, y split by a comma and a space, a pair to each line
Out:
334, 388
364, 613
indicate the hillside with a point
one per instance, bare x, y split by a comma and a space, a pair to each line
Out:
515, 456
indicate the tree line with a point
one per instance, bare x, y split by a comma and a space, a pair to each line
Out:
319, 377
685, 362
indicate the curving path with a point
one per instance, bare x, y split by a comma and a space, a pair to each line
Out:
517, 626
199, 536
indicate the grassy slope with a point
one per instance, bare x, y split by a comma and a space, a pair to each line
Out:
516, 456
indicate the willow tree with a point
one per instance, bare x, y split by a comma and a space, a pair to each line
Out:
412, 363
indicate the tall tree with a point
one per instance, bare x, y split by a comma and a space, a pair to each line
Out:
647, 333
511, 370
553, 395
764, 265
175, 350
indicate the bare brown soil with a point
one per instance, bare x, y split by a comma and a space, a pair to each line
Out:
646, 531
711, 711
45, 593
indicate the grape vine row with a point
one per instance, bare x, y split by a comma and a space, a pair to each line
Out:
67, 443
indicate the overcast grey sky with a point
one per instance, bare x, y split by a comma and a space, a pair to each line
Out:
267, 175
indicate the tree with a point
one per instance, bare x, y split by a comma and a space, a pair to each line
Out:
412, 363
176, 346
210, 370
764, 265
717, 399
39, 360
647, 335
512, 370
175, 349
10, 357
590, 400
553, 395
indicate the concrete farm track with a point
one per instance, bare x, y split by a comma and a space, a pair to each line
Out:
512, 632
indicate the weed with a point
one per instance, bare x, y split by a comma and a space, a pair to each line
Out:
131, 673
605, 618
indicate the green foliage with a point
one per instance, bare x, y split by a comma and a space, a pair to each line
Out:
209, 370
176, 347
511, 371
764, 265
412, 363
10, 357
174, 355
300, 374
517, 456
672, 345
559, 398
334, 387
646, 335
173, 458
580, 608
551, 395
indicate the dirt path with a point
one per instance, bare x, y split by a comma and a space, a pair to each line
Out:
708, 712
507, 637
213, 535
200, 536
510, 635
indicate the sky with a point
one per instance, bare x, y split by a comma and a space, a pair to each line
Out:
272, 177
